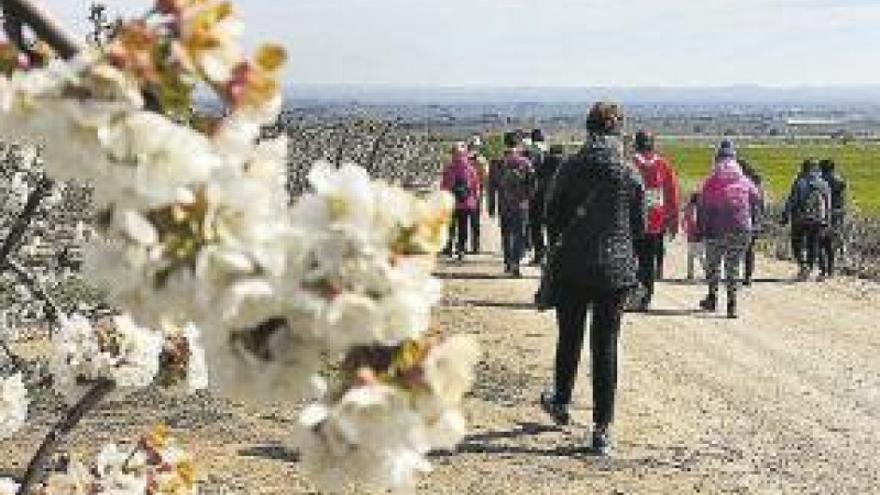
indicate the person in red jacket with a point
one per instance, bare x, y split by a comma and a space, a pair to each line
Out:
462, 180
661, 212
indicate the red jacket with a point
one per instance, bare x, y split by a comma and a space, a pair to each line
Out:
661, 193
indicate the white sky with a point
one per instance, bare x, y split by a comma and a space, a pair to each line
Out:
562, 42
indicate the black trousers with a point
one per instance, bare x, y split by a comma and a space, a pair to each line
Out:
805, 238
829, 244
458, 230
660, 258
474, 218
750, 260
571, 314
537, 227
648, 250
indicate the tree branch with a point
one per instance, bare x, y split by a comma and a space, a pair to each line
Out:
37, 467
54, 311
24, 219
45, 26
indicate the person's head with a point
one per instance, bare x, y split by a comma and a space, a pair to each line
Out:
459, 151
827, 166
810, 165
511, 139
605, 118
475, 142
644, 142
537, 136
726, 150
695, 197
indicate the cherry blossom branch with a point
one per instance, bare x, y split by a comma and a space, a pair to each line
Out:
37, 467
45, 26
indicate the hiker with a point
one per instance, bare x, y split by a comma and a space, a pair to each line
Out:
545, 169
757, 220
461, 179
594, 214
809, 209
481, 165
509, 190
832, 237
535, 149
661, 210
727, 200
696, 250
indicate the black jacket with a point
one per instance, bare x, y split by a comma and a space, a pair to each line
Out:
838, 190
596, 247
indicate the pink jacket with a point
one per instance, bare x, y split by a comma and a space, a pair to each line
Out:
461, 171
727, 201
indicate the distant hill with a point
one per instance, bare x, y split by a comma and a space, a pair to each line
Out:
740, 94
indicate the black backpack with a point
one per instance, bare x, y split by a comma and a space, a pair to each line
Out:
814, 208
461, 189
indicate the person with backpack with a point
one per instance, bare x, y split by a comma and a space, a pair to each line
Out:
757, 220
696, 250
661, 211
545, 169
727, 200
462, 181
594, 216
808, 208
509, 192
481, 165
832, 237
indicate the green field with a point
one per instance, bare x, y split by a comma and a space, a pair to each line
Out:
778, 163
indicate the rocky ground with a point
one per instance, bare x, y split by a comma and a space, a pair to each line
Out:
784, 400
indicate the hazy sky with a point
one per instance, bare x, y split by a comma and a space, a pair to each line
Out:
562, 42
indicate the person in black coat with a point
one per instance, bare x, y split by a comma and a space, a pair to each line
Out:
832, 238
594, 216
545, 170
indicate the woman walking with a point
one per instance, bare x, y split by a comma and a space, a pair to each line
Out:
462, 180
727, 202
594, 215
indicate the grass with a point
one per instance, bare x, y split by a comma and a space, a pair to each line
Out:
778, 163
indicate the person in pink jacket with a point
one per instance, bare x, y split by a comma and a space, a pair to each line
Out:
462, 180
696, 250
727, 201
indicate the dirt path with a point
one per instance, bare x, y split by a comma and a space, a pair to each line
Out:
784, 400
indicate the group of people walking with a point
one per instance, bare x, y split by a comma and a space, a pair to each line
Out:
816, 210
598, 220
513, 188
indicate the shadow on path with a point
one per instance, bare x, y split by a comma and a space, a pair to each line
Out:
482, 443
271, 452
479, 276
702, 282
512, 305
671, 312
